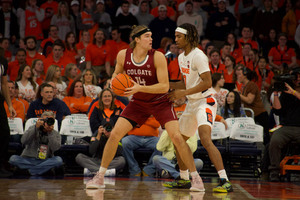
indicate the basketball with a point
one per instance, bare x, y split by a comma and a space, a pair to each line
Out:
120, 83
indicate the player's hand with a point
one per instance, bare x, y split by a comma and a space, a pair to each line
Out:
132, 90
176, 94
12, 112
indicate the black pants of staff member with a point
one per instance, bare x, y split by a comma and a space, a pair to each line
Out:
4, 133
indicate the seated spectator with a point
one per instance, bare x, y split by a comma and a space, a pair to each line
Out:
282, 58
71, 74
23, 101
235, 50
220, 95
264, 75
203, 44
14, 66
97, 54
17, 105
106, 109
208, 48
229, 63
225, 51
4, 43
269, 42
166, 163
287, 106
164, 43
254, 56
215, 65
89, 83
47, 44
143, 16
84, 42
172, 52
247, 38
27, 87
244, 59
71, 51
76, 100
133, 9
144, 137
173, 68
38, 71
31, 52
40, 141
63, 20
102, 121
57, 57
54, 75
46, 102
232, 107
171, 13
251, 98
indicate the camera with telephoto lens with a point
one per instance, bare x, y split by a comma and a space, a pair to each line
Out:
108, 126
49, 120
279, 84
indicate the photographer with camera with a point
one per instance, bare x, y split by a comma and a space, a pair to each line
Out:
287, 106
40, 141
102, 120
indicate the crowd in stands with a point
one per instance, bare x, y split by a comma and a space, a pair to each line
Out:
61, 55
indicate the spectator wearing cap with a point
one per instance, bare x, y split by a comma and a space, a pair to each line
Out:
101, 17
74, 12
133, 9
50, 7
125, 20
157, 23
9, 27
171, 13
189, 16
220, 24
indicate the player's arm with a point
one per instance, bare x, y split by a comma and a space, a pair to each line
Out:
204, 85
178, 84
119, 68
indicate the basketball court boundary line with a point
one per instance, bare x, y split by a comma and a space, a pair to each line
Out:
244, 191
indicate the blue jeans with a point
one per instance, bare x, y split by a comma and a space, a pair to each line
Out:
162, 162
35, 166
133, 142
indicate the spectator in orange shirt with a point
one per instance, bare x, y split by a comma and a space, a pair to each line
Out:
245, 58
246, 38
282, 57
229, 62
144, 137
46, 45
4, 43
76, 100
171, 13
116, 44
71, 51
23, 101
264, 75
215, 65
38, 71
97, 54
57, 57
17, 105
31, 52
14, 66
84, 42
235, 49
225, 51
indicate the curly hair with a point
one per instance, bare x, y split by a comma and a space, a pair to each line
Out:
192, 34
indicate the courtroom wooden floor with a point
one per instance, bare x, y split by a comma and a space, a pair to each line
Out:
73, 188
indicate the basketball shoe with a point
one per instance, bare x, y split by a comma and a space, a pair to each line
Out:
97, 182
197, 184
178, 183
224, 186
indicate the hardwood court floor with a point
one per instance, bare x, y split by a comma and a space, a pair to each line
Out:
73, 188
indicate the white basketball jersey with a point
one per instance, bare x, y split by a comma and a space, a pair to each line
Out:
191, 66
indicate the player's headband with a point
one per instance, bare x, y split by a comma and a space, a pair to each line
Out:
181, 30
138, 34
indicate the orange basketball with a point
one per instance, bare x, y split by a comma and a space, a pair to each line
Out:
120, 83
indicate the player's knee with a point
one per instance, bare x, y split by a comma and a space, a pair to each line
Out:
177, 139
206, 143
115, 138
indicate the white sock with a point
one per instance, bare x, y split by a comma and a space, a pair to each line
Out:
222, 174
184, 174
102, 170
194, 174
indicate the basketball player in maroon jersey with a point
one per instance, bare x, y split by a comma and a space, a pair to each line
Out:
148, 69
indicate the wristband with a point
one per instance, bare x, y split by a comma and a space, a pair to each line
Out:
294, 92
275, 95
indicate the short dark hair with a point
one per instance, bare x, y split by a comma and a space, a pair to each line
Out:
40, 88
60, 43
29, 37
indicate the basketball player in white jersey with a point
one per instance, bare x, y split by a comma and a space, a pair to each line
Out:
201, 109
